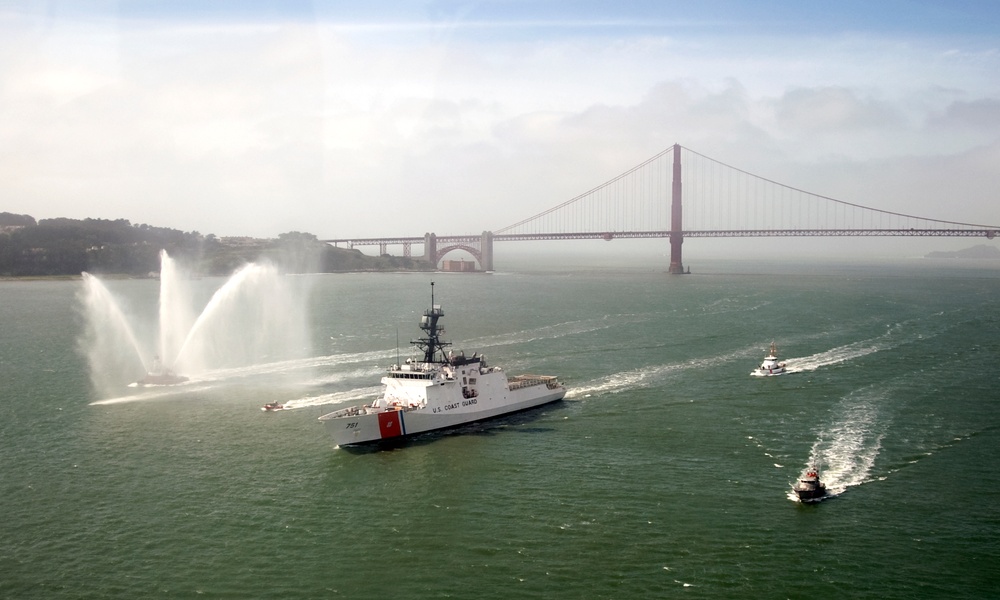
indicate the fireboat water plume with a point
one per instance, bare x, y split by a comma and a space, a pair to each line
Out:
106, 333
257, 316
176, 313
250, 318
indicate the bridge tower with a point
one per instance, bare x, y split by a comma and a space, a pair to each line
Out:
430, 248
676, 226
486, 249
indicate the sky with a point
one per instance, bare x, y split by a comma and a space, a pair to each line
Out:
368, 119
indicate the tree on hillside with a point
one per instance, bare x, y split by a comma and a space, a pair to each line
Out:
64, 246
68, 246
11, 220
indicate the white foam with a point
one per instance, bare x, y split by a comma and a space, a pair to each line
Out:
836, 355
344, 397
846, 450
649, 375
153, 393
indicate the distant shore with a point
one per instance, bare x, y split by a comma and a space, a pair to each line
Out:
982, 251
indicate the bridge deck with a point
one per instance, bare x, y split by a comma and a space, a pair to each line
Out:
609, 235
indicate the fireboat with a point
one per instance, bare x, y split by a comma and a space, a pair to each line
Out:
160, 375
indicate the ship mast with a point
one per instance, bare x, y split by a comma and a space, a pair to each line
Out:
429, 323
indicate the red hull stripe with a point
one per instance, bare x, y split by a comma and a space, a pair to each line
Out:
390, 424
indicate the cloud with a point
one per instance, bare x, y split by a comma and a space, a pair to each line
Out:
826, 109
982, 114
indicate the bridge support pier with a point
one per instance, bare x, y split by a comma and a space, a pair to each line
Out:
676, 226
430, 248
676, 268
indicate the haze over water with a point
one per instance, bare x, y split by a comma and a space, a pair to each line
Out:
667, 470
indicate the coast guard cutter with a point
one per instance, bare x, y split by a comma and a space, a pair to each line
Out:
441, 390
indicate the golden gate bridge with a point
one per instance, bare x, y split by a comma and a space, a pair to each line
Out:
700, 197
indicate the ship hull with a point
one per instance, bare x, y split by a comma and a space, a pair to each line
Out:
768, 372
349, 429
152, 379
811, 495
810, 488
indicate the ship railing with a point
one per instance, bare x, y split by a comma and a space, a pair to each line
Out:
523, 381
352, 411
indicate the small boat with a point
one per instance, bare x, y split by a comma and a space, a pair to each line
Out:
440, 389
809, 488
166, 377
272, 406
770, 367
160, 375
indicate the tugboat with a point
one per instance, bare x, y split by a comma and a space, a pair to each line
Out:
441, 389
160, 375
165, 377
770, 367
272, 406
809, 488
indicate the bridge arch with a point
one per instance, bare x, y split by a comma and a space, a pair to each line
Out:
470, 249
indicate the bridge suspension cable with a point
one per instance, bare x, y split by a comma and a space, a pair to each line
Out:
636, 200
719, 196
719, 200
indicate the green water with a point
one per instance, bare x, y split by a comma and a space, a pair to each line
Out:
666, 472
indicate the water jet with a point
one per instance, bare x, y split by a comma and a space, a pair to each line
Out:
256, 315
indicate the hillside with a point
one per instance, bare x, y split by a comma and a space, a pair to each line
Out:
52, 247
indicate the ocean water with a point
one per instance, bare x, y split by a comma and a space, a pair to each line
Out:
666, 472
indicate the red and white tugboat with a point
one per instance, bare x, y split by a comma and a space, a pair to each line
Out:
441, 390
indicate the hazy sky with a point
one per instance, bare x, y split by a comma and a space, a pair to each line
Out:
396, 118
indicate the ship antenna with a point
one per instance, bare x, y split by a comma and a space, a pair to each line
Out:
397, 346
432, 333
431, 344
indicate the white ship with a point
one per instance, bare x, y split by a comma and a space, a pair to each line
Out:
442, 390
770, 366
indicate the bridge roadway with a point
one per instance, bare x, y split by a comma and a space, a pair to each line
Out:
610, 235
480, 245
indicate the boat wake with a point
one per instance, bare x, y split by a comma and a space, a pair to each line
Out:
839, 354
354, 395
155, 393
733, 305
897, 334
649, 376
321, 366
845, 452
219, 378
